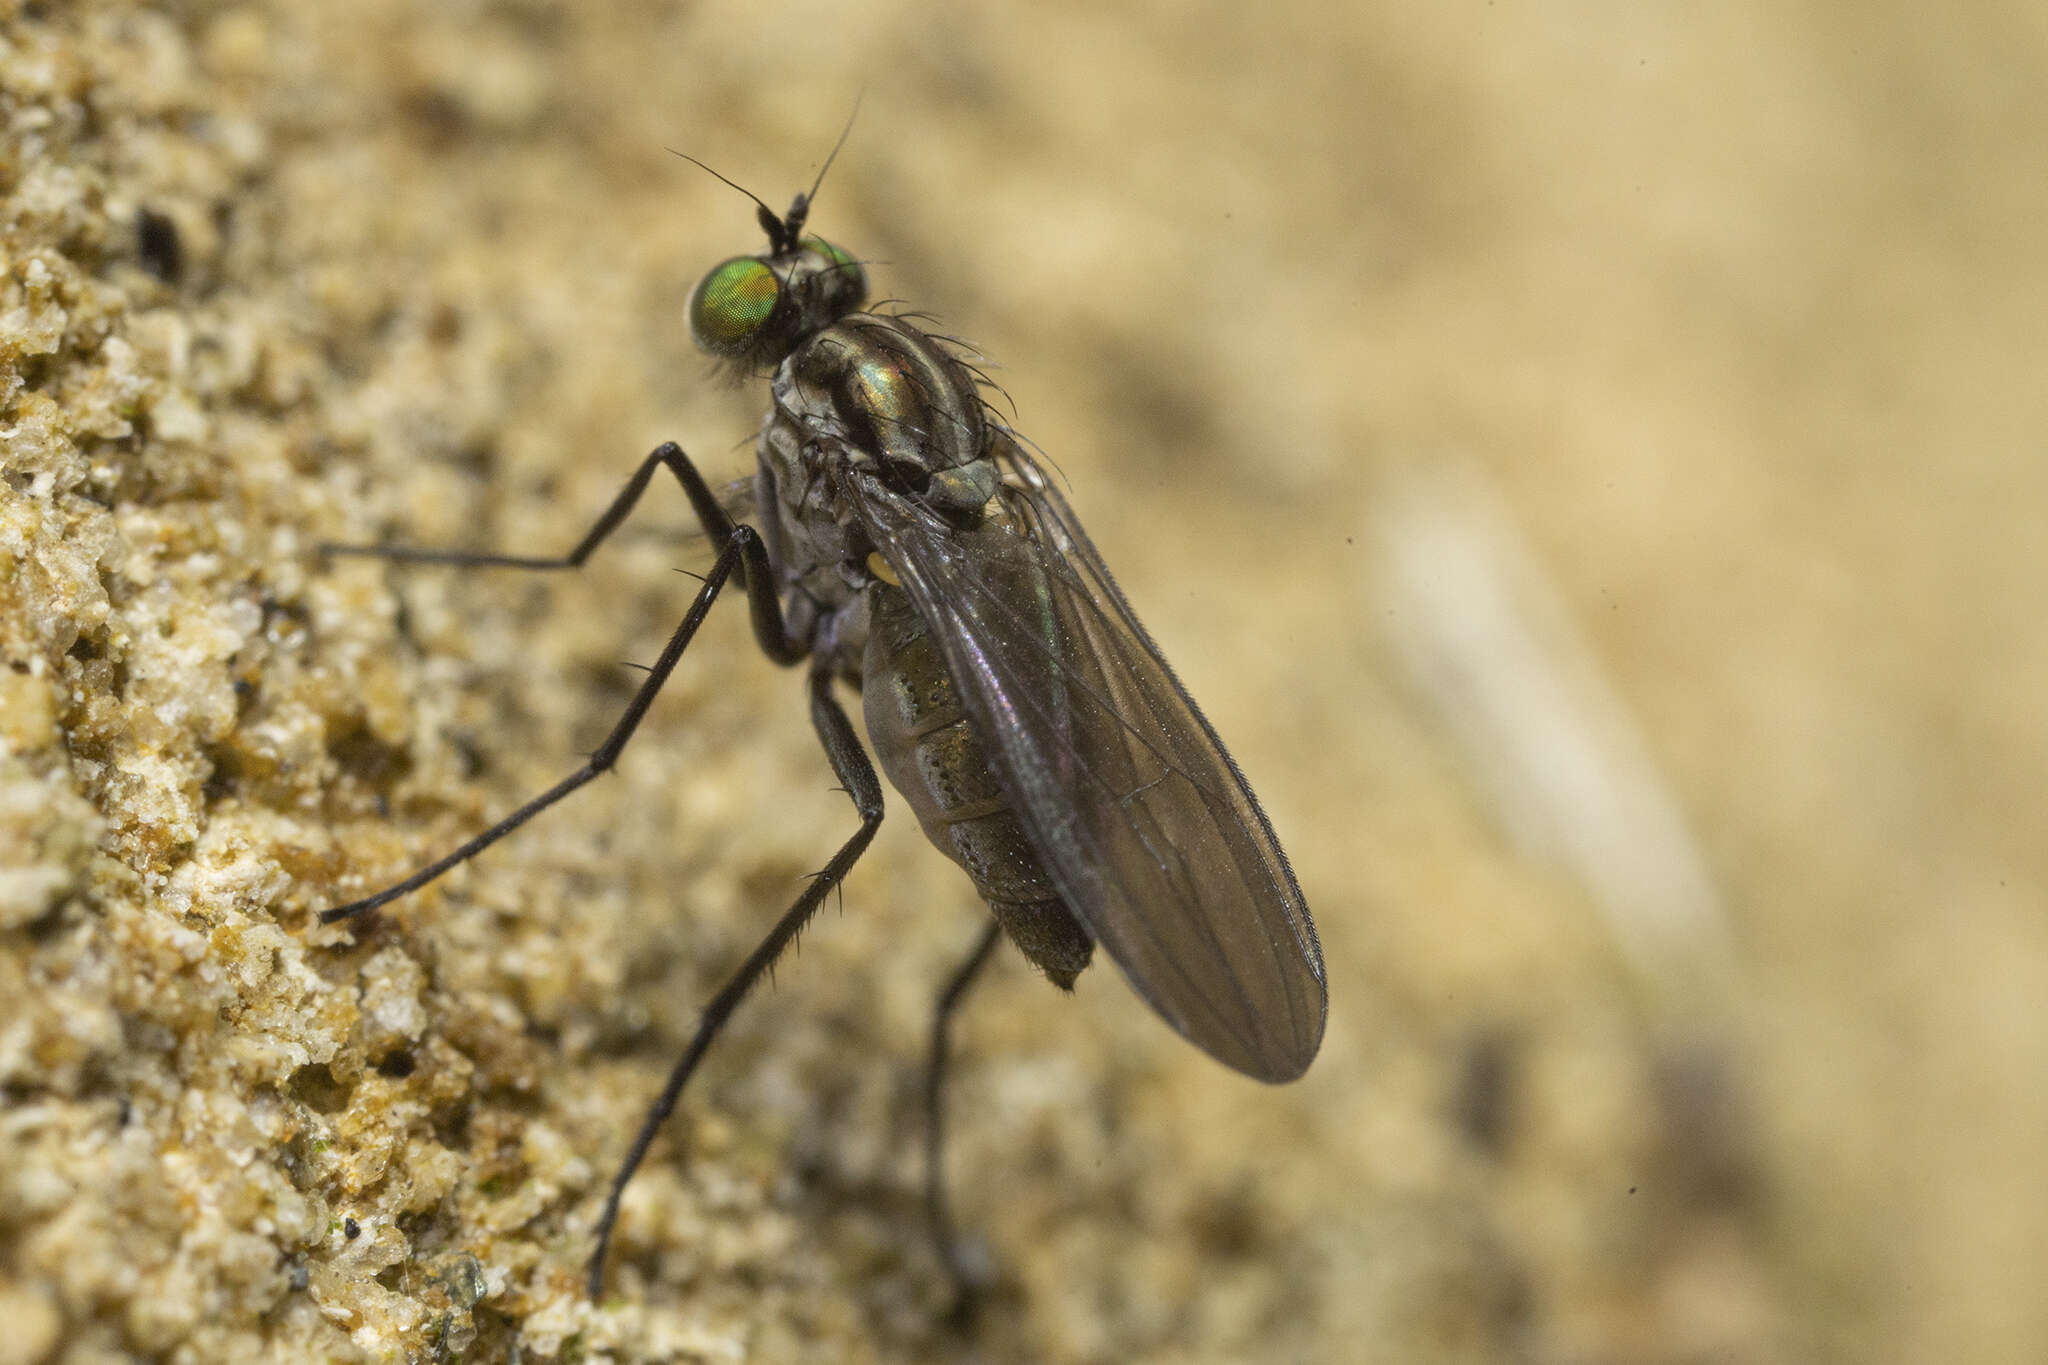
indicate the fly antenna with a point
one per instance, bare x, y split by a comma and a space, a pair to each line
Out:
785, 229
715, 175
803, 203
781, 235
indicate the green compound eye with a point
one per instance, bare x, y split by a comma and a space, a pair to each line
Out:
838, 259
732, 304
838, 285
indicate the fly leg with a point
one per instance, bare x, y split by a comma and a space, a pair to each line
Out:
717, 525
742, 547
967, 1277
850, 763
718, 529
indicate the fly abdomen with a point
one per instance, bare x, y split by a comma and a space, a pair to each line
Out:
925, 743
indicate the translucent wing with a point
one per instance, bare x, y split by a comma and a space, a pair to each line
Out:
1144, 823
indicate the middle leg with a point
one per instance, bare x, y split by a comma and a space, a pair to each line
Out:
742, 547
850, 763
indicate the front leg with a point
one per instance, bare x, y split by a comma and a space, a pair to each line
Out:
756, 574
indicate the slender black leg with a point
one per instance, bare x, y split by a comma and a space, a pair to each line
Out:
741, 546
716, 524
965, 1280
718, 528
857, 775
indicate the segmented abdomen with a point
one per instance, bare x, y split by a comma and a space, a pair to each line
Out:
925, 744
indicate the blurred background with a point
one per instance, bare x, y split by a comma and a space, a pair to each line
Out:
1586, 459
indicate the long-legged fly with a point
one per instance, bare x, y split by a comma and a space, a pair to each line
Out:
909, 546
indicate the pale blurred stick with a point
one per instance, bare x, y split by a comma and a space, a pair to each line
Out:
1491, 641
